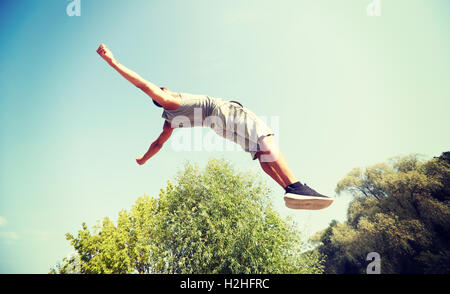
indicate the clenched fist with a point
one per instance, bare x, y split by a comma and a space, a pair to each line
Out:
141, 160
105, 53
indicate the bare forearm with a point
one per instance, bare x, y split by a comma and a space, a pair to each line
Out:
157, 144
147, 87
154, 148
130, 75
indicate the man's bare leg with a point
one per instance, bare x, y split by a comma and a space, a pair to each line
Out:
271, 172
297, 196
274, 163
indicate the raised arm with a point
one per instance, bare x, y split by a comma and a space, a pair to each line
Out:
157, 144
163, 98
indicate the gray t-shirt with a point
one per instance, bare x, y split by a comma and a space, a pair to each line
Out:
193, 108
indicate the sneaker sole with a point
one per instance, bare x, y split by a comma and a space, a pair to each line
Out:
295, 201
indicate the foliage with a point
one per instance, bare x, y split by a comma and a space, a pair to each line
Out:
210, 221
401, 209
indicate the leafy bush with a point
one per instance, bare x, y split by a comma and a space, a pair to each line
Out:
210, 221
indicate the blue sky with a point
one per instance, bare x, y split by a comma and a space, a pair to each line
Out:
349, 90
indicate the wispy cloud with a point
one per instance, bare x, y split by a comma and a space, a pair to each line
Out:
9, 235
3, 221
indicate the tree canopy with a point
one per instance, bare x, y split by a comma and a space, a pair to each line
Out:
209, 221
401, 210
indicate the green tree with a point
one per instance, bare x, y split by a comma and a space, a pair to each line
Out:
401, 209
210, 221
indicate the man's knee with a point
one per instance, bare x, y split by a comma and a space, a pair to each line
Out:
269, 150
268, 144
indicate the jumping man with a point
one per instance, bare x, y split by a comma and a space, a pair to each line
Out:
228, 119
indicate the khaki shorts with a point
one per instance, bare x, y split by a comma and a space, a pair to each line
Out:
240, 125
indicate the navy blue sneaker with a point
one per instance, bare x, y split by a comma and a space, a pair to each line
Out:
299, 196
